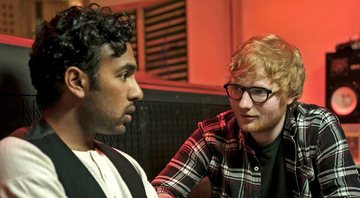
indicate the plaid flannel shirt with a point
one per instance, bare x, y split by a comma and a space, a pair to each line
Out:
318, 161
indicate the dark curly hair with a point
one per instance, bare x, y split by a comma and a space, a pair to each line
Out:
74, 37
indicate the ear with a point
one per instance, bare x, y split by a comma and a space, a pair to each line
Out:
290, 100
76, 81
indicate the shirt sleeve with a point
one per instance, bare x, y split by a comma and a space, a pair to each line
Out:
338, 176
185, 169
26, 172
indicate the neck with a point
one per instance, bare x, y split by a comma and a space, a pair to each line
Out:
268, 136
66, 124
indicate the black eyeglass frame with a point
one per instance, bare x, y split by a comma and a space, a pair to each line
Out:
247, 89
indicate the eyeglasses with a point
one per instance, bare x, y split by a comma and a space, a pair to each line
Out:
257, 94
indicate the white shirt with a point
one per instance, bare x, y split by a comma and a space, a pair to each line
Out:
25, 171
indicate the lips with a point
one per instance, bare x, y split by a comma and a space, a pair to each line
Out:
247, 118
130, 109
128, 112
127, 118
245, 115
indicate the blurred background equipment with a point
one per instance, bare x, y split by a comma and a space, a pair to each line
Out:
343, 84
352, 44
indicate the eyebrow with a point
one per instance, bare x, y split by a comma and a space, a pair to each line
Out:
128, 66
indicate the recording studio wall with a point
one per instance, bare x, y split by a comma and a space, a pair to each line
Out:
162, 122
343, 85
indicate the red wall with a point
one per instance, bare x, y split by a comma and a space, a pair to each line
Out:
208, 41
315, 27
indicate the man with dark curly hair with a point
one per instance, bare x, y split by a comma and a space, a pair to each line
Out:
82, 67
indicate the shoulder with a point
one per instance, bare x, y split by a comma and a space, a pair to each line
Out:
26, 171
311, 114
16, 147
314, 123
21, 156
221, 122
221, 130
312, 110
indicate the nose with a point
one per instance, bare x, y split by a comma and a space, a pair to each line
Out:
245, 101
135, 92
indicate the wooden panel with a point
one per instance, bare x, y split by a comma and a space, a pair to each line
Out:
166, 40
17, 18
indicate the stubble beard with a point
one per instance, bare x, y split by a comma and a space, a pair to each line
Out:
95, 119
264, 124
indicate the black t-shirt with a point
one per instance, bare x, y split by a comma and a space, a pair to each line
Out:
271, 158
